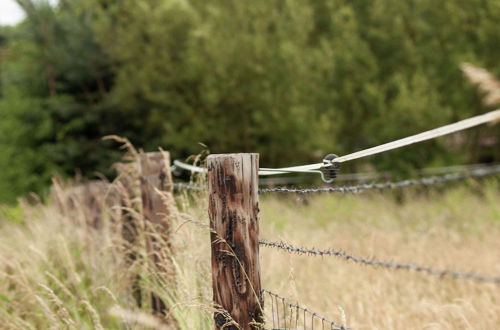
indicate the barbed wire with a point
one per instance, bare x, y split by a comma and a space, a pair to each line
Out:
426, 181
385, 264
291, 313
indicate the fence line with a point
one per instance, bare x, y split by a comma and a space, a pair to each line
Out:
385, 264
233, 212
290, 314
426, 181
235, 243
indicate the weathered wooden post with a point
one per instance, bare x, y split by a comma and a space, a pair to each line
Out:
126, 187
233, 210
158, 210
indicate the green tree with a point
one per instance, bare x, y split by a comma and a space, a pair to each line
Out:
53, 107
292, 80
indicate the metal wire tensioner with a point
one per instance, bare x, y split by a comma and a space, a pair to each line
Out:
329, 168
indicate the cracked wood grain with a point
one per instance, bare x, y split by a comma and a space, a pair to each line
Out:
233, 212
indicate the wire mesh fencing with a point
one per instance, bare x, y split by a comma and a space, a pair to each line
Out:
286, 314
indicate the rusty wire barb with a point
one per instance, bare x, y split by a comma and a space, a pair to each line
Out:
288, 315
426, 181
385, 264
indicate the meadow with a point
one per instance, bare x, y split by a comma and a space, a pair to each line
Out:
55, 274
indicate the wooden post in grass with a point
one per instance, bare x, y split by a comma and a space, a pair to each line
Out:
126, 187
158, 207
233, 210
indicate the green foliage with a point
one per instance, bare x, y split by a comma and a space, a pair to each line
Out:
292, 80
53, 110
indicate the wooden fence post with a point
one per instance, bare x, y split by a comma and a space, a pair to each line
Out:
233, 210
128, 201
157, 210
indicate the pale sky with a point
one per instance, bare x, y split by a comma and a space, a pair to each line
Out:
10, 12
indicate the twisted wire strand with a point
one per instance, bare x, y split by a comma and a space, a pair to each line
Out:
385, 264
426, 181
297, 308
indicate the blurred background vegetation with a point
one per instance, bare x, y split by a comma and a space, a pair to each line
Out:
291, 79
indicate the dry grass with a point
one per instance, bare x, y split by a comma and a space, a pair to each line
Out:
54, 274
487, 84
455, 230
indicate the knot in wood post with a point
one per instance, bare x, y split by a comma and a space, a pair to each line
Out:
233, 211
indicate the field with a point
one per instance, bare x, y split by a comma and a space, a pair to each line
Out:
58, 275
